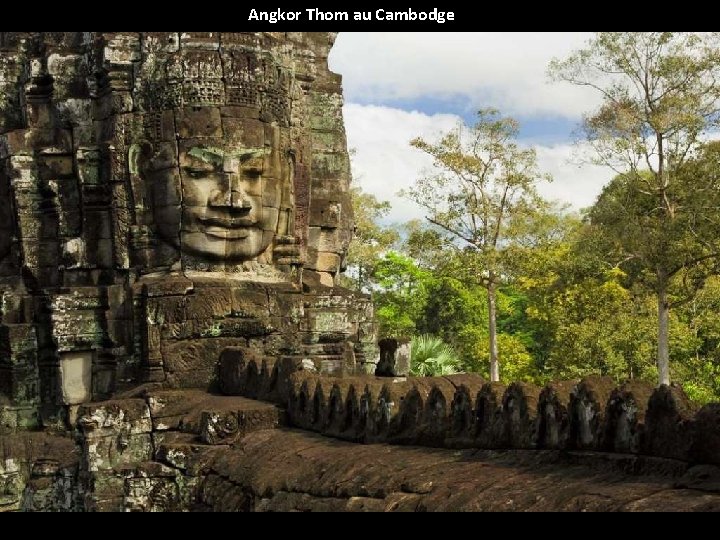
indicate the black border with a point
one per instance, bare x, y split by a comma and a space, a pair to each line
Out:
469, 17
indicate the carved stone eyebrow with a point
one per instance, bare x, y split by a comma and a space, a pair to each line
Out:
215, 156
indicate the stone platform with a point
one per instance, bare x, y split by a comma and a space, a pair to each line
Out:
286, 470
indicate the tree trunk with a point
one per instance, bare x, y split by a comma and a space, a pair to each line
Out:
492, 315
663, 334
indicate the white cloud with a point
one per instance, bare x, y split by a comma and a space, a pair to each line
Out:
385, 162
504, 70
577, 185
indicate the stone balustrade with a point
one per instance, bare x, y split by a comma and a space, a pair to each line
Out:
464, 411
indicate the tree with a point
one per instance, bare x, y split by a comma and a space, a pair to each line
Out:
660, 95
450, 307
426, 244
671, 254
482, 193
371, 239
600, 327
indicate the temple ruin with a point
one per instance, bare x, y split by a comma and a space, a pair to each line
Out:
174, 216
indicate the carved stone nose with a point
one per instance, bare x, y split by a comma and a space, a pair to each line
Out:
230, 198
238, 199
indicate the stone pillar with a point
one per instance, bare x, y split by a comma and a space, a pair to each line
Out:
394, 358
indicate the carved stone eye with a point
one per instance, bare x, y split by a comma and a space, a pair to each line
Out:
197, 173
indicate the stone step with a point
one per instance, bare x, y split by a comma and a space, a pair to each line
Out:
226, 425
220, 421
186, 452
215, 419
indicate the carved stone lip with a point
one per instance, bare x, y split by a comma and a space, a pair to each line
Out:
228, 234
228, 222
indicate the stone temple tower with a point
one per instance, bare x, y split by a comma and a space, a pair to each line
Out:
164, 198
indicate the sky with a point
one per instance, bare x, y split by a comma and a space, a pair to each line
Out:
399, 86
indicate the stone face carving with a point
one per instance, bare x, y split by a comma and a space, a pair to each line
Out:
217, 152
164, 196
223, 198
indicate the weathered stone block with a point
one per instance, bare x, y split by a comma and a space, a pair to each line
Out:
554, 414
669, 423
228, 427
625, 417
192, 458
198, 122
705, 446
76, 377
435, 421
396, 412
461, 430
587, 411
394, 358
233, 370
131, 416
152, 487
520, 404
489, 421
327, 262
12, 486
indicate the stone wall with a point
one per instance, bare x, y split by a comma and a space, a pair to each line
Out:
149, 451
74, 104
295, 471
39, 471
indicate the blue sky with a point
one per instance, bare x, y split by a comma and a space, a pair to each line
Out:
402, 85
543, 129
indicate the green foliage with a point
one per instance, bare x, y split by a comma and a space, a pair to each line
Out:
370, 241
654, 246
450, 307
698, 368
575, 296
700, 378
567, 315
431, 356
400, 294
518, 364
601, 329
427, 245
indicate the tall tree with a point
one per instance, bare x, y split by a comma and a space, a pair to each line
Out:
660, 93
482, 193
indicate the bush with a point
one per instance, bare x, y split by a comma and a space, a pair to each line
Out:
430, 356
